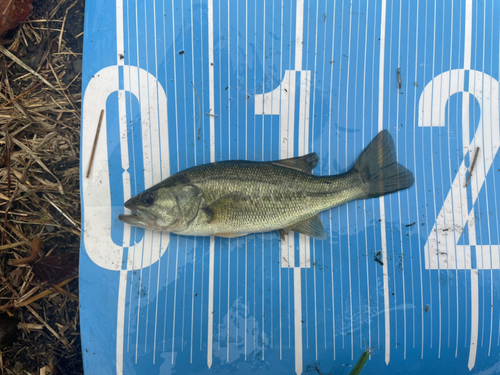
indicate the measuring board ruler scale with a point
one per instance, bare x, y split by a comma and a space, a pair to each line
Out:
413, 275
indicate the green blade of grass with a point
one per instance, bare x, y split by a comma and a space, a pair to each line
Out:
361, 362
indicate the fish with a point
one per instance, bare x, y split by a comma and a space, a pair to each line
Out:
238, 197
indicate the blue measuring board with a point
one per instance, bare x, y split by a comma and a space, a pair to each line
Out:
413, 275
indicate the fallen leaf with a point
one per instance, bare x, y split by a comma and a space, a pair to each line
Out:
16, 277
56, 268
12, 12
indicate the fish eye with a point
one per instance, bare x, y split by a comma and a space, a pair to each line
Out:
147, 199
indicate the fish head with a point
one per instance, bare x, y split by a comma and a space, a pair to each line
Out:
154, 208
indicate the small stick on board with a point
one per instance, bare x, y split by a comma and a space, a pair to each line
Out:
399, 78
472, 167
95, 142
199, 110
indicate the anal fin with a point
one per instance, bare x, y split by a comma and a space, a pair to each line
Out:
312, 227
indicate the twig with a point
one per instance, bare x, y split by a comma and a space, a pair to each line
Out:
7, 7
61, 211
399, 78
64, 23
74, 79
77, 131
55, 10
37, 159
29, 259
30, 293
17, 97
44, 293
13, 228
35, 314
21, 63
63, 292
21, 108
12, 245
95, 142
61, 86
7, 145
472, 167
39, 21
29, 326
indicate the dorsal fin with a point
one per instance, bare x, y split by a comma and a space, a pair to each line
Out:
304, 163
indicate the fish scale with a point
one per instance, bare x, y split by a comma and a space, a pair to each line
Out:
267, 196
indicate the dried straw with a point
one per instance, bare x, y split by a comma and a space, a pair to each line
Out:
40, 99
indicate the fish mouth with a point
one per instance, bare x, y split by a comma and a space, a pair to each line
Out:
138, 218
134, 220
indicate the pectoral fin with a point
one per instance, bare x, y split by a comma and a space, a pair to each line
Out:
214, 211
312, 227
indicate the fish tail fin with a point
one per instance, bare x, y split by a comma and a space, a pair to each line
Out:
380, 171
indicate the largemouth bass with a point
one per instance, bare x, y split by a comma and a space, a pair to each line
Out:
236, 198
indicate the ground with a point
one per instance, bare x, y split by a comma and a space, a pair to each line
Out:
40, 190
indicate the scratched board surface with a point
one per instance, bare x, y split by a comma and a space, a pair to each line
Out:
414, 275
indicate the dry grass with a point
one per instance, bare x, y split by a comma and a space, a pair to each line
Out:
40, 97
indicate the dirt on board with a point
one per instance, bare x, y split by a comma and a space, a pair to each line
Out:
40, 100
